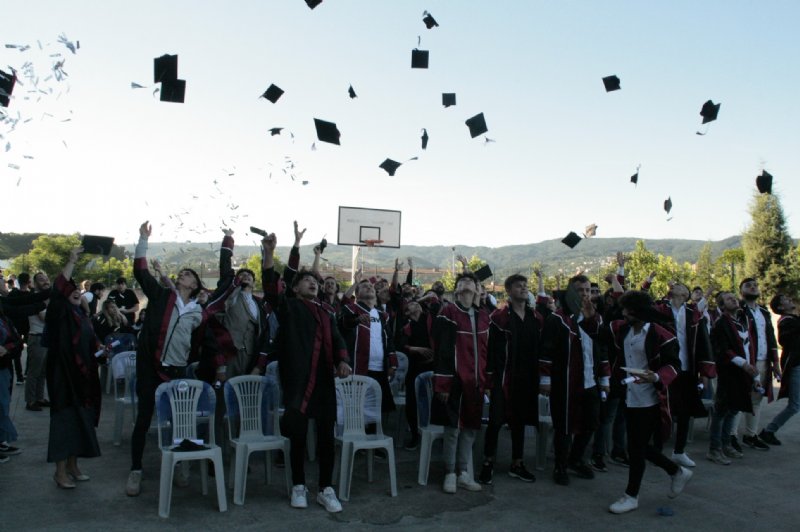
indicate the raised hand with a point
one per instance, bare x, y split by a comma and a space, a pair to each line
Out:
397, 264
145, 229
269, 243
410, 263
621, 259
228, 232
73, 254
298, 235
156, 267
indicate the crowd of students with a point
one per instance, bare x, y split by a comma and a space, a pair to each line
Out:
621, 366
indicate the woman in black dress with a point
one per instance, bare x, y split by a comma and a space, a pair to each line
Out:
72, 380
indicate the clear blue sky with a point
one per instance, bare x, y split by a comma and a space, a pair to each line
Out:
564, 148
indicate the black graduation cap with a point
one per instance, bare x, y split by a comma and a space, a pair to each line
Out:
571, 239
429, 21
635, 177
424, 138
764, 182
275, 131
351, 92
611, 83
483, 273
272, 93
7, 82
327, 131
709, 111
313, 3
97, 245
448, 98
165, 68
419, 58
173, 90
668, 204
477, 125
390, 166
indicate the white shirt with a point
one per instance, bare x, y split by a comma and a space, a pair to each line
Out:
761, 333
250, 304
588, 356
680, 331
640, 395
375, 341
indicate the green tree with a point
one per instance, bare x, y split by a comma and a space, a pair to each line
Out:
769, 251
729, 269
49, 253
704, 269
640, 263
254, 263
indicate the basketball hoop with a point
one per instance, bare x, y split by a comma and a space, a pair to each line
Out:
370, 243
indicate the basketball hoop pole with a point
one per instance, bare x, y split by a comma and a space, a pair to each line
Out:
354, 264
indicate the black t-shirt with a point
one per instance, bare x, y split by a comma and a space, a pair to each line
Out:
126, 299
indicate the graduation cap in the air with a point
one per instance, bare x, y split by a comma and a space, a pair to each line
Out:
352, 92
448, 98
429, 21
424, 138
477, 125
635, 177
327, 131
571, 239
173, 90
390, 166
483, 273
275, 131
668, 206
7, 82
709, 111
165, 68
590, 231
611, 83
764, 182
313, 3
97, 245
272, 93
419, 58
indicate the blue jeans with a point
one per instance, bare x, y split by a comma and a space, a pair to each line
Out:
793, 378
721, 424
8, 432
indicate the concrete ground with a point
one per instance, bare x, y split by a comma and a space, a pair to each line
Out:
757, 492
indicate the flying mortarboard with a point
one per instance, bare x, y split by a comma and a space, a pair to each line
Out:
668, 204
477, 125
272, 93
611, 83
97, 245
7, 82
390, 166
764, 182
419, 58
429, 21
571, 240
327, 131
424, 139
709, 111
313, 3
448, 98
173, 90
165, 68
275, 131
352, 92
483, 273
635, 177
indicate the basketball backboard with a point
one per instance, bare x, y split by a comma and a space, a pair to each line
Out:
358, 225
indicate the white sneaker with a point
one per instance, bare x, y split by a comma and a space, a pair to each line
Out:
682, 459
626, 503
134, 485
327, 498
299, 496
466, 481
679, 481
449, 483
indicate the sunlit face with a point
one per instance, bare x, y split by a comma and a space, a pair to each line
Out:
680, 294
366, 291
518, 291
466, 286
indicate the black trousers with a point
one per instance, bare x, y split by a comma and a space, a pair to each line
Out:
644, 443
569, 449
493, 434
414, 370
146, 383
294, 426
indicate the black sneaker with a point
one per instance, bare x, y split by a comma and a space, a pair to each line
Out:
755, 443
560, 476
486, 473
598, 464
620, 458
4, 458
8, 450
735, 444
412, 444
769, 437
519, 471
581, 469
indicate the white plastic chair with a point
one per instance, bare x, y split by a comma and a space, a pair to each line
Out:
351, 396
123, 371
127, 342
397, 385
179, 404
543, 431
423, 385
253, 401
